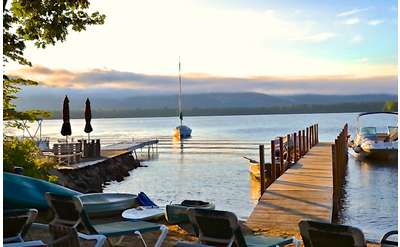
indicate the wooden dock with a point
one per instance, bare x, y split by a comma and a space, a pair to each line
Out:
114, 150
304, 191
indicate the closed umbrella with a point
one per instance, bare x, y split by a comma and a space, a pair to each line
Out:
66, 127
88, 118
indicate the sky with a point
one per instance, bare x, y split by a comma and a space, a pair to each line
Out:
272, 47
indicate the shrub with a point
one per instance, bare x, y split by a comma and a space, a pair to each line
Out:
26, 154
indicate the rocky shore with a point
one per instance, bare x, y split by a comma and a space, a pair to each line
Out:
91, 179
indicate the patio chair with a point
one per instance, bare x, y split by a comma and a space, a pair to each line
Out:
16, 224
319, 234
385, 242
221, 228
69, 211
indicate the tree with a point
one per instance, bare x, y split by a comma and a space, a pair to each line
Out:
390, 105
44, 22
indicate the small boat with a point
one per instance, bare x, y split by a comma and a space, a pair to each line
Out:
371, 144
26, 192
254, 168
181, 131
107, 204
144, 213
176, 214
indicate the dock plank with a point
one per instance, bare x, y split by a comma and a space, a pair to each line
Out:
303, 192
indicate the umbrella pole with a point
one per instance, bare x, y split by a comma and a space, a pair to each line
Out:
88, 136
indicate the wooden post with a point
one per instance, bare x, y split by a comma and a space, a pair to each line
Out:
262, 169
303, 142
290, 148
281, 158
300, 151
295, 147
273, 165
317, 134
312, 136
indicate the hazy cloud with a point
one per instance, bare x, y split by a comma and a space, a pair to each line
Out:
352, 12
351, 21
196, 83
375, 22
356, 39
316, 38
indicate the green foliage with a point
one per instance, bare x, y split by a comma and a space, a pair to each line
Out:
390, 105
26, 154
44, 22
10, 114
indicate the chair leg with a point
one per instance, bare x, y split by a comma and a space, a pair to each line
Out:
163, 235
141, 238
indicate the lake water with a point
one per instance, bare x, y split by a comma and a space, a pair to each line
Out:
210, 167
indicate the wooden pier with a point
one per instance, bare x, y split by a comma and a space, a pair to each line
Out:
114, 150
306, 190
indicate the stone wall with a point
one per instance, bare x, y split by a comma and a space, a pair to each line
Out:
91, 179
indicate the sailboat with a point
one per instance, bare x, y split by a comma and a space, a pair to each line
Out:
181, 131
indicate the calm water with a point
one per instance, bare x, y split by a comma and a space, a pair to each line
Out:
210, 167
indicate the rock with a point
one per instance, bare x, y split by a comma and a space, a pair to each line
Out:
93, 178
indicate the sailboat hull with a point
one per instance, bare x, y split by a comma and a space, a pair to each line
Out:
183, 131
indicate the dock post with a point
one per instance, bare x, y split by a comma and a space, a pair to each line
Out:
295, 147
317, 134
290, 149
262, 169
273, 160
312, 136
303, 141
300, 152
281, 157
307, 139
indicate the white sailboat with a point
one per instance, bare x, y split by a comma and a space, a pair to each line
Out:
181, 131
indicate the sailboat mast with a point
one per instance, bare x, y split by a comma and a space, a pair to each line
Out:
180, 93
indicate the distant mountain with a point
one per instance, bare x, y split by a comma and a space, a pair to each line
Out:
102, 102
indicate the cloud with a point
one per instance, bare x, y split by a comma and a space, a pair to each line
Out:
356, 39
316, 38
138, 83
351, 21
362, 60
375, 22
352, 12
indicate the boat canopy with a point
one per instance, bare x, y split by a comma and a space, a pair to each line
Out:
376, 112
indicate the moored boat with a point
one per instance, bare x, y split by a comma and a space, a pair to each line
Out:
375, 142
26, 192
107, 204
181, 131
176, 214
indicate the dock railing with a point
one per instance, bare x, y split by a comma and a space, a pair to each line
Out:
339, 165
285, 150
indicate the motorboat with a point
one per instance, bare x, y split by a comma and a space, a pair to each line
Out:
375, 142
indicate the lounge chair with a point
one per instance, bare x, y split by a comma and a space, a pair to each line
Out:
36, 243
65, 236
222, 228
16, 224
385, 242
319, 234
69, 211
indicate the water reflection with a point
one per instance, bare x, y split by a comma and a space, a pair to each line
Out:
370, 198
255, 189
